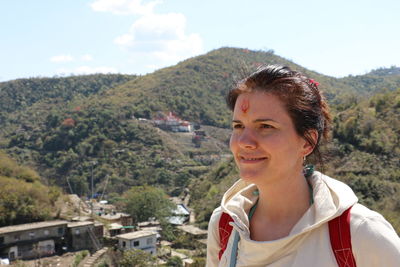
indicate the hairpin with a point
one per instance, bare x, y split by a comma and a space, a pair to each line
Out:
314, 82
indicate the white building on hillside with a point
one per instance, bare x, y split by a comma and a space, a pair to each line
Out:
144, 240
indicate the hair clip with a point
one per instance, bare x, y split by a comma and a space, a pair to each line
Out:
314, 82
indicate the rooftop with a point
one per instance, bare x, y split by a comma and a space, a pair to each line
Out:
114, 226
111, 216
79, 224
137, 234
191, 229
31, 226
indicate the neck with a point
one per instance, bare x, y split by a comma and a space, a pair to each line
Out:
285, 200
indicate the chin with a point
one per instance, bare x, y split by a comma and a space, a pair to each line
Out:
251, 177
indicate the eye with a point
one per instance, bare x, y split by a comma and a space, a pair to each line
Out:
237, 126
266, 126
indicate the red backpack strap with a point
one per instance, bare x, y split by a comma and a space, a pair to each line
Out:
339, 232
225, 230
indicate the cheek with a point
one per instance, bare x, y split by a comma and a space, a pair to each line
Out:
232, 142
275, 143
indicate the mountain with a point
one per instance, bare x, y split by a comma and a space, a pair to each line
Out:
392, 71
21, 93
75, 129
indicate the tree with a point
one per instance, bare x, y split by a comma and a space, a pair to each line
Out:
175, 261
145, 202
137, 258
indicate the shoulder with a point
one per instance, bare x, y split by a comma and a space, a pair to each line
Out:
214, 219
213, 243
374, 241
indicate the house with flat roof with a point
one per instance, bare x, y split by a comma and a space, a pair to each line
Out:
26, 241
144, 240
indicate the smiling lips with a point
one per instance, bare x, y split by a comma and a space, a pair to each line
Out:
251, 159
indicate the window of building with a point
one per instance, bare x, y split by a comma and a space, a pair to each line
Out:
31, 234
136, 243
149, 241
17, 237
46, 232
123, 244
1, 240
60, 231
77, 232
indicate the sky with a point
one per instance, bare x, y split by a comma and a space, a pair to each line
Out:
46, 38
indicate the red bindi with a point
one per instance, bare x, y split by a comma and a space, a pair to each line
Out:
244, 106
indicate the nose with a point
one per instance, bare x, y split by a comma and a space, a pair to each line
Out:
247, 139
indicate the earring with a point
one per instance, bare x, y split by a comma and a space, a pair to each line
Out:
304, 158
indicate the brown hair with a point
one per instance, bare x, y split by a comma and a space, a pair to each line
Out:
303, 100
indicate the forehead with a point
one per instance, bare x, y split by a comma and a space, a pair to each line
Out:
260, 105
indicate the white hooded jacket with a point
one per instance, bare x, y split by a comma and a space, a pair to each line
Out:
374, 241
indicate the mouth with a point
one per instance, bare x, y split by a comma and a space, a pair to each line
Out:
251, 159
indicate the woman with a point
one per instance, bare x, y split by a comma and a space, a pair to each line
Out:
280, 211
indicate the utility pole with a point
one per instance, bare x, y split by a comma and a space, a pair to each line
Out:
91, 197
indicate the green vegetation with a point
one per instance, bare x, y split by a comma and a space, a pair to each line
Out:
145, 202
208, 190
174, 261
79, 257
23, 198
138, 258
22, 93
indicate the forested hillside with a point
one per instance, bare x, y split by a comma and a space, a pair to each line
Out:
23, 198
75, 128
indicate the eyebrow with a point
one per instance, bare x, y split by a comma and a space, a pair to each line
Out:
258, 120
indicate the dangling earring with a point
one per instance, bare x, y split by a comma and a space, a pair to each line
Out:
307, 169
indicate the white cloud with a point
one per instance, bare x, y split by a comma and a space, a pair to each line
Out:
154, 39
124, 40
124, 7
87, 57
161, 38
61, 58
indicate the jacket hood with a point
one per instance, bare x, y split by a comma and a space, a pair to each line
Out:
331, 199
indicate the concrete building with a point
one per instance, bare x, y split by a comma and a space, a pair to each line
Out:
26, 241
84, 235
118, 217
144, 240
171, 122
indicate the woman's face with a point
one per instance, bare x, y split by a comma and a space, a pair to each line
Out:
264, 142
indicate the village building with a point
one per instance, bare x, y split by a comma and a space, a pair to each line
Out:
144, 240
84, 235
34, 240
118, 223
193, 231
26, 241
171, 122
117, 229
121, 218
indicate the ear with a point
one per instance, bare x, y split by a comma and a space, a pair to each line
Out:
308, 146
